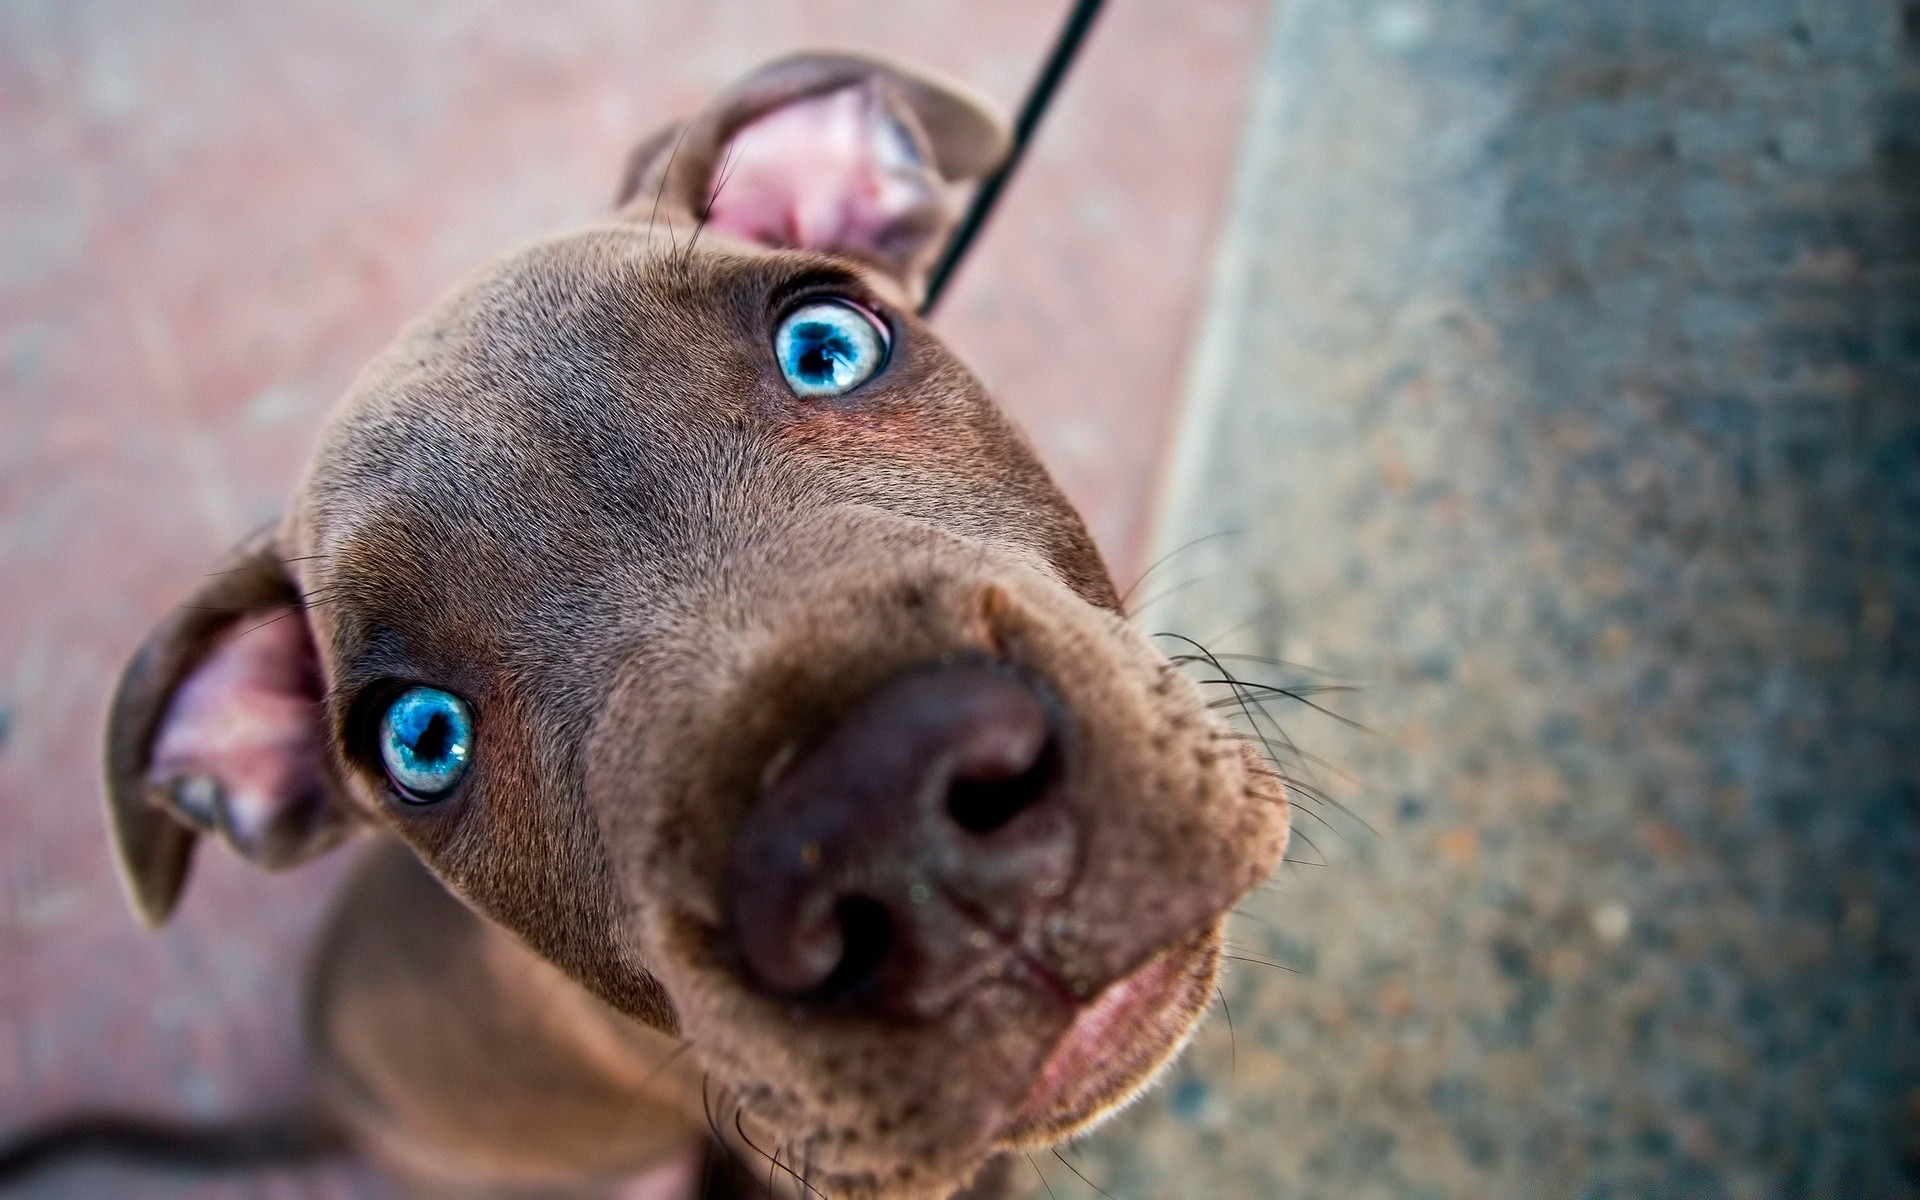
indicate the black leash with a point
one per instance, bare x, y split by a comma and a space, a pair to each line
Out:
1079, 21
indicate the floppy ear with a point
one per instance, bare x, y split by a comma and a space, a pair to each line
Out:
218, 727
831, 152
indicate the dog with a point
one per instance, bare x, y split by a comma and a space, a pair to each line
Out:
744, 735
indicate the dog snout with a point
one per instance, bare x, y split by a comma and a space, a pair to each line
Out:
912, 850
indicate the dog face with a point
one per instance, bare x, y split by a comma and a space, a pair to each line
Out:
693, 613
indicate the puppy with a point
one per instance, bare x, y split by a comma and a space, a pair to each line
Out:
743, 730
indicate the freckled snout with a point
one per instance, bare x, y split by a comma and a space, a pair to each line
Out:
911, 851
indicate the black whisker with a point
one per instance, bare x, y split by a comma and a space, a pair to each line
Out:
1247, 705
1233, 1043
1299, 694
1083, 1179
1297, 832
666, 1062
1040, 1173
253, 564
772, 1159
1305, 797
1254, 710
1220, 667
713, 1125
1253, 618
1256, 918
706, 1168
1291, 691
706, 210
1168, 593
1315, 762
1261, 962
1279, 664
273, 620
660, 191
1169, 556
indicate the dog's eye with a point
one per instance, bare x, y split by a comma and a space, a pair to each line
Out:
828, 348
426, 740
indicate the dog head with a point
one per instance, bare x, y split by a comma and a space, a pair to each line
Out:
694, 614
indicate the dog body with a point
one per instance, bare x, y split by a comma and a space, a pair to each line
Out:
809, 790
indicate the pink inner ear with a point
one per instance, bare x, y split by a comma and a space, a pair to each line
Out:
248, 718
832, 171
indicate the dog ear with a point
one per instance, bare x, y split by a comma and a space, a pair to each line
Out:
218, 727
831, 152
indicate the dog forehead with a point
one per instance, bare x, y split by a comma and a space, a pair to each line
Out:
583, 352
604, 314
559, 408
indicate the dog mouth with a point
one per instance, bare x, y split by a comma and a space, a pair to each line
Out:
1118, 1042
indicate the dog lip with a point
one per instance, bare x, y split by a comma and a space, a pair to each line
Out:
1085, 1056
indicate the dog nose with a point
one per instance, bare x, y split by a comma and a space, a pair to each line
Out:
895, 864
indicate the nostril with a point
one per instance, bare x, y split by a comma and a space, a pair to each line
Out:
866, 933
930, 811
983, 800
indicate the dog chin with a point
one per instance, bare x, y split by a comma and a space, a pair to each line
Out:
1119, 1043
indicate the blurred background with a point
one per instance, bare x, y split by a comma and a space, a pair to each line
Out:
1531, 388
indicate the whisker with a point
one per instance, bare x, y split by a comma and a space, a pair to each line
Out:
1261, 962
719, 1141
1083, 1179
1169, 556
1040, 1173
273, 620
1277, 663
774, 1160
666, 1062
1315, 762
1233, 1043
732, 1162
1168, 593
245, 568
1291, 694
1220, 667
1254, 917
1254, 709
653, 217
1313, 791
1306, 797
706, 211
1253, 618
1291, 691
1297, 832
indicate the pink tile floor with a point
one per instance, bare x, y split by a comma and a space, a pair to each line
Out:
211, 213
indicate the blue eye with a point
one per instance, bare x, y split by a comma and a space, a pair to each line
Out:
426, 740
828, 348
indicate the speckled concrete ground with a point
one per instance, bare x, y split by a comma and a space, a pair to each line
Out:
1561, 384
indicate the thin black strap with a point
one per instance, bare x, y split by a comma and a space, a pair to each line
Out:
1079, 21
